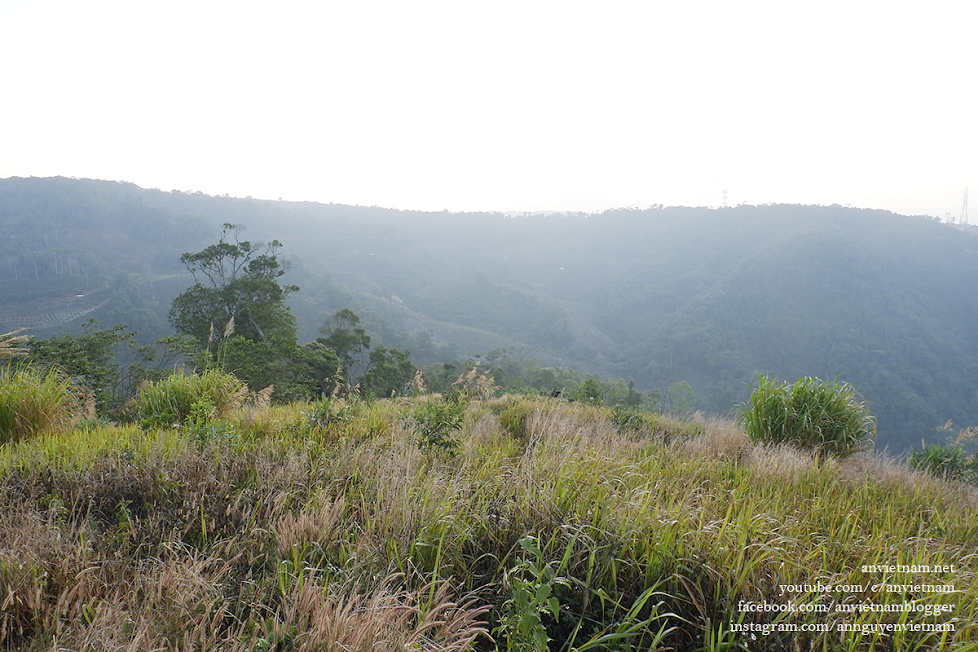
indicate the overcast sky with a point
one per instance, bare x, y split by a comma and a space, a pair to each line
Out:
501, 105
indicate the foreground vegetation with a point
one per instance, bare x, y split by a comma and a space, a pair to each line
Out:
503, 524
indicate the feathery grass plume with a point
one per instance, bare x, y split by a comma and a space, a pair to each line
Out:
340, 386
229, 328
9, 342
467, 377
965, 437
826, 417
485, 386
417, 384
32, 401
251, 408
261, 399
473, 384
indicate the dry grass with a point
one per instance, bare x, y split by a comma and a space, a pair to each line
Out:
721, 440
284, 532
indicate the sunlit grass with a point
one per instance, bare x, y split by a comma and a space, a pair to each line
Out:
77, 449
650, 534
181, 397
33, 401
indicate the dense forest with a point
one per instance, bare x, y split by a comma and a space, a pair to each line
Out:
665, 298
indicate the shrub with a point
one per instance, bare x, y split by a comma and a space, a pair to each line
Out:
812, 414
90, 361
629, 420
590, 392
435, 422
948, 462
531, 583
329, 412
32, 401
182, 397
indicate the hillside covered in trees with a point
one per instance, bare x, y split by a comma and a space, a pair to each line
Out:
707, 297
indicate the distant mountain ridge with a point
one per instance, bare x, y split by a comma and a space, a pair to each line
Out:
709, 296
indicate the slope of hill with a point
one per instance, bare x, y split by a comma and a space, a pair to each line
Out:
332, 526
711, 297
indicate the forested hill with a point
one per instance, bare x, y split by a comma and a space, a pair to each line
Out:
711, 297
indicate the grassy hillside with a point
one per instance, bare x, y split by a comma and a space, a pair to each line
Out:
334, 527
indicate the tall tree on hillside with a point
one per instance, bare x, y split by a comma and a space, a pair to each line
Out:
238, 304
235, 278
390, 371
348, 339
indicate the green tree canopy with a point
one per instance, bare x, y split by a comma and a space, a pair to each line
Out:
237, 280
89, 357
347, 338
679, 395
322, 368
590, 391
390, 371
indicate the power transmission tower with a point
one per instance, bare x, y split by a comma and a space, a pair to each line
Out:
724, 199
964, 208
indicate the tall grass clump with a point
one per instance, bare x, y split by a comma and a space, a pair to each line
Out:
181, 397
629, 420
948, 462
825, 417
514, 417
32, 401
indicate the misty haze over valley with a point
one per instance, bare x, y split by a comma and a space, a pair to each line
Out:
656, 297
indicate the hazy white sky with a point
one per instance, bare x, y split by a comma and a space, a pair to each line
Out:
501, 105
